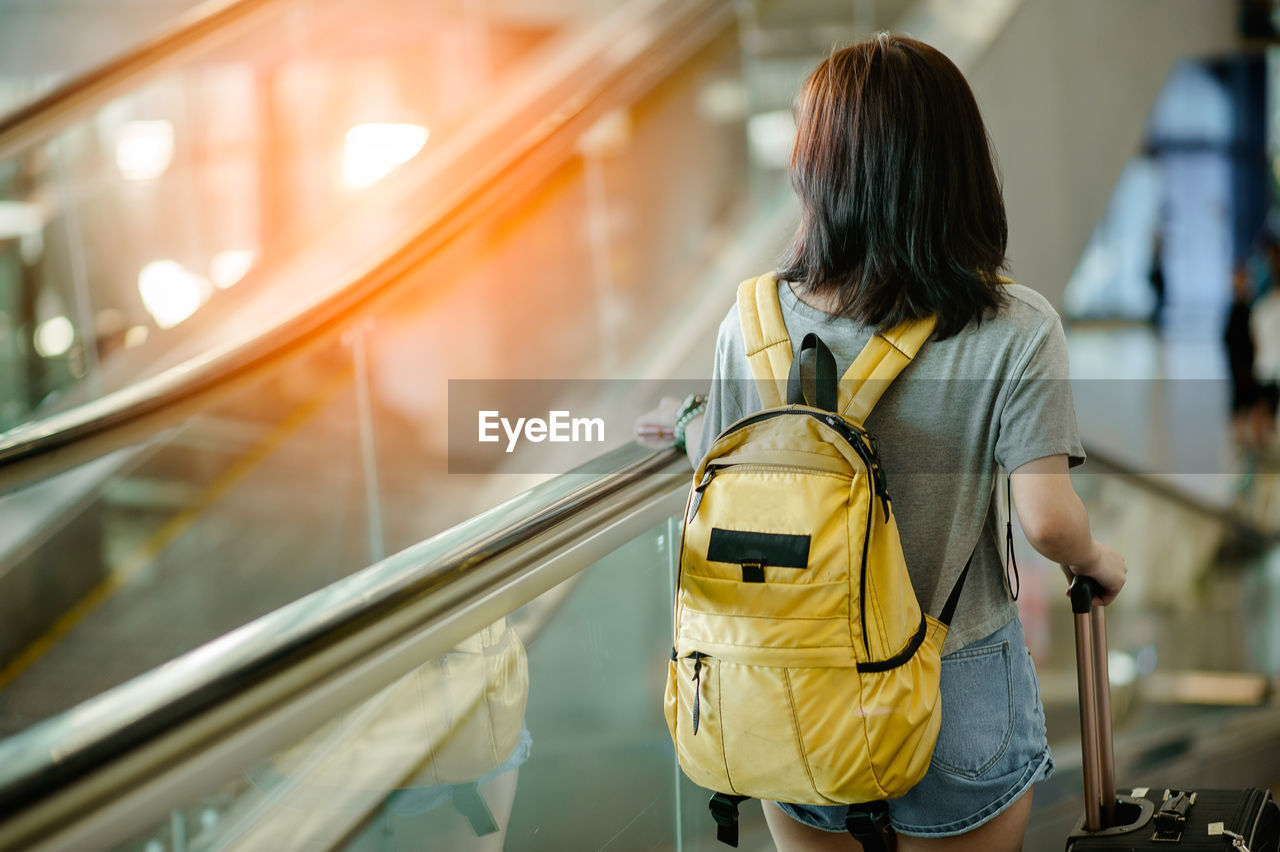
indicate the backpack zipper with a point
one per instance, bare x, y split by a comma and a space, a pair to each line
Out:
713, 470
698, 491
862, 442
769, 466
862, 583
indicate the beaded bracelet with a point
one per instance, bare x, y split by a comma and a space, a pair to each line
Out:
693, 406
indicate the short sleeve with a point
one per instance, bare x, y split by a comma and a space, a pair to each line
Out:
717, 400
729, 371
1038, 417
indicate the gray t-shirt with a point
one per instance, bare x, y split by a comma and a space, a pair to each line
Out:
996, 394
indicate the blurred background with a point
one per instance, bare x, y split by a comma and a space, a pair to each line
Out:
250, 250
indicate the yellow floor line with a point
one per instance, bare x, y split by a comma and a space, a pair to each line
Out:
159, 540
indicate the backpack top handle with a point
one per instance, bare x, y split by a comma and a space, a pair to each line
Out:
816, 364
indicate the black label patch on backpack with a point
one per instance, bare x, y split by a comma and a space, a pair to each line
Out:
776, 550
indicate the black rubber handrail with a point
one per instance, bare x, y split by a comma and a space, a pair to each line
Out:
613, 64
205, 26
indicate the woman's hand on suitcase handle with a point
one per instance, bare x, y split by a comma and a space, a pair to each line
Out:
1105, 567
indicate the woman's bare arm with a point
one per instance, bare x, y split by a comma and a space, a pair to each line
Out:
1056, 524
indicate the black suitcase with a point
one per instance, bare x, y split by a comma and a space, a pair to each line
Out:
1149, 818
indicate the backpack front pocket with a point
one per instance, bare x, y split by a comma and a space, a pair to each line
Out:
693, 717
773, 524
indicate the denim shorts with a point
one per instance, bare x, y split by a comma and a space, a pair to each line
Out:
991, 745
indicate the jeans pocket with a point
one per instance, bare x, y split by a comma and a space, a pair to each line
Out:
977, 710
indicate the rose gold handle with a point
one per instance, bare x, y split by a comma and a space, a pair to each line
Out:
1095, 706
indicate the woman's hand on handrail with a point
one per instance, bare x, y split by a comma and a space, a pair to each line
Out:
656, 429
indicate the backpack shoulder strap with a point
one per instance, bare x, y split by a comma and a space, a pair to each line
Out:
880, 361
768, 346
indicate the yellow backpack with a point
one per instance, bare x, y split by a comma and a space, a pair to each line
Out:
803, 669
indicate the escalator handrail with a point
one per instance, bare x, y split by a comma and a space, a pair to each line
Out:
324, 633
1247, 530
195, 31
613, 60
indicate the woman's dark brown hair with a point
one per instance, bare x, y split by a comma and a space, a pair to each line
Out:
902, 211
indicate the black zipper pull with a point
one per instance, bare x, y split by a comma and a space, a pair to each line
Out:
697, 688
882, 488
866, 441
882, 484
697, 493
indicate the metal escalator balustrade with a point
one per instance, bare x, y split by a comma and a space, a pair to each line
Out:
194, 31
330, 448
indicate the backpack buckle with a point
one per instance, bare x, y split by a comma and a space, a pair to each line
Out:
870, 826
724, 810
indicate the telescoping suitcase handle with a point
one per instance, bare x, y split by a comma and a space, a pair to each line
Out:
1095, 706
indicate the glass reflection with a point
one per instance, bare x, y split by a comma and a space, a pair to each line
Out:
449, 736
505, 741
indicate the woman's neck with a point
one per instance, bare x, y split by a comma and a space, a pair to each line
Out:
828, 302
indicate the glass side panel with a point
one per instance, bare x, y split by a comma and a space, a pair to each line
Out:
119, 566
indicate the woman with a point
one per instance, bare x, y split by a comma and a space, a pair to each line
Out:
903, 218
